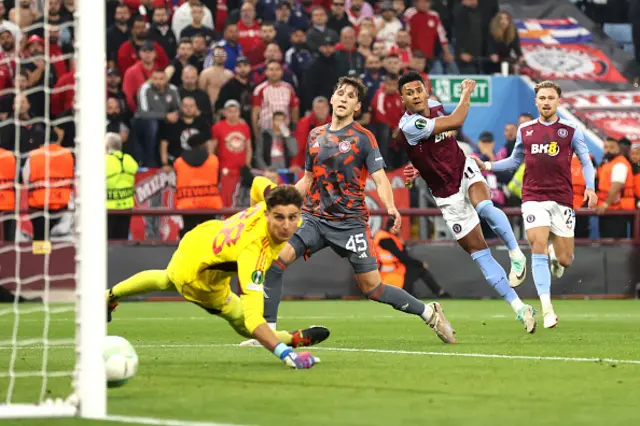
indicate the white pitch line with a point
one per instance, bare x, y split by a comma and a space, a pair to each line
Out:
161, 422
381, 351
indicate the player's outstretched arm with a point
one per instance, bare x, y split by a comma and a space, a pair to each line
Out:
588, 171
385, 192
510, 163
304, 183
252, 269
456, 119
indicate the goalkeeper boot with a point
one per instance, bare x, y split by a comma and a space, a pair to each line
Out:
526, 316
310, 336
112, 303
518, 270
440, 324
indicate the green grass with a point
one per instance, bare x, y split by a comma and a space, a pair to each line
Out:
189, 371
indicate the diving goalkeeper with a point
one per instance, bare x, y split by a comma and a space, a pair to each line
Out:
244, 245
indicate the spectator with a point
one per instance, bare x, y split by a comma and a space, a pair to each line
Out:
8, 101
214, 77
510, 133
391, 64
625, 147
419, 64
230, 45
358, 10
184, 58
339, 18
116, 122
262, 13
350, 62
426, 31
200, 52
276, 147
182, 17
49, 173
24, 14
138, 74
232, 144
267, 36
582, 225
37, 76
54, 17
31, 135
197, 171
387, 25
402, 48
273, 95
503, 43
189, 88
379, 49
158, 101
634, 158
239, 88
487, 152
318, 116
386, 111
114, 89
368, 24
121, 171
365, 42
176, 134
322, 76
160, 32
144, 8
63, 94
615, 191
298, 57
470, 38
319, 30
8, 25
372, 75
273, 53
55, 52
284, 24
118, 34
249, 32
197, 26
128, 52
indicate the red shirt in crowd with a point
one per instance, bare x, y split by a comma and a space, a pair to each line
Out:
133, 79
404, 54
303, 128
425, 29
232, 140
128, 55
55, 54
386, 108
249, 39
62, 99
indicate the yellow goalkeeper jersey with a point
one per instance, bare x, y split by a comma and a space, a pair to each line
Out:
213, 252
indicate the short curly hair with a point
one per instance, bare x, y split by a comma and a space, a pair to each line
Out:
284, 195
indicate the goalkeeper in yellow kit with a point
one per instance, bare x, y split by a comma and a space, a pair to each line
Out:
244, 245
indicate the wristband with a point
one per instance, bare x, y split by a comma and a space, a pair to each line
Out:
282, 350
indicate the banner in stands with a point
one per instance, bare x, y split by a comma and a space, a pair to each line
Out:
552, 31
599, 99
155, 188
568, 62
615, 124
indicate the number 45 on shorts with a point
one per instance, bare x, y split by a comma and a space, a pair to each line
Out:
356, 243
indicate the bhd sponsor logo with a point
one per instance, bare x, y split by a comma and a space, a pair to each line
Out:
551, 149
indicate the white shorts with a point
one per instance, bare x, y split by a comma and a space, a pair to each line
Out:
458, 212
561, 219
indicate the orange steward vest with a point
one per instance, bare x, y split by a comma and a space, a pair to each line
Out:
626, 199
636, 183
392, 271
50, 177
577, 182
197, 187
7, 180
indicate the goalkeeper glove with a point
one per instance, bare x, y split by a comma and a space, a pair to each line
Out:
303, 360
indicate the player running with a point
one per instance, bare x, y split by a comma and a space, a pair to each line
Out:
457, 184
339, 156
244, 245
546, 145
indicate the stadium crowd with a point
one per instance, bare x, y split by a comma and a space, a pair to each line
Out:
219, 90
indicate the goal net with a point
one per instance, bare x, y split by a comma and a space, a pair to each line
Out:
54, 248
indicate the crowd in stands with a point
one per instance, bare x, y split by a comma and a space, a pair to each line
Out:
244, 82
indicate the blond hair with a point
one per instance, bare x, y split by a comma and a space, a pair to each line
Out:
547, 84
505, 36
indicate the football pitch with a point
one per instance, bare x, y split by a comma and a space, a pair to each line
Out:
378, 367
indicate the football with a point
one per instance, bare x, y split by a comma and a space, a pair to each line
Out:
120, 359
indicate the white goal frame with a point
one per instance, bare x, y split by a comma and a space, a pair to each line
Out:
89, 378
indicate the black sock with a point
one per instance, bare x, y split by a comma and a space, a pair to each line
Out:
273, 290
396, 297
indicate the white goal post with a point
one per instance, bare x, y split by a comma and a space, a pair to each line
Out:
89, 378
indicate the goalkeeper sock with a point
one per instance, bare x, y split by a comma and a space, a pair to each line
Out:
284, 337
273, 290
496, 276
499, 223
141, 283
399, 299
